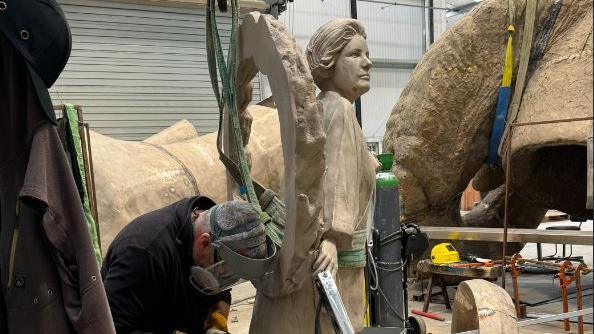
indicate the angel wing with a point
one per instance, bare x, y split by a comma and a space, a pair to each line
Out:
265, 45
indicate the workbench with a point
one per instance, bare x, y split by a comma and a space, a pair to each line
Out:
438, 272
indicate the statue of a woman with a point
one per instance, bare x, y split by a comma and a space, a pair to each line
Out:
339, 61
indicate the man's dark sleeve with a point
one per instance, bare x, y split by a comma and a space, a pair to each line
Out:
129, 274
225, 296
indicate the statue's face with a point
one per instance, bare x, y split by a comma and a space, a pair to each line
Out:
351, 70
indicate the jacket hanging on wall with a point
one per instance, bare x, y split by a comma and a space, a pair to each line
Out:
49, 278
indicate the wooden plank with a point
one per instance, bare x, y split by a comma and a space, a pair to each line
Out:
469, 198
425, 266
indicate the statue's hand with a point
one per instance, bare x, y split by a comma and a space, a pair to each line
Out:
327, 258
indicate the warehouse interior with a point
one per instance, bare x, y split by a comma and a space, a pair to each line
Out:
447, 190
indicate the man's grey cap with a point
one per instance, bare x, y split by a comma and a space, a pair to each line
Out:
237, 225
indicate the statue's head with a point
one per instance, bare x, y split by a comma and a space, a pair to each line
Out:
339, 58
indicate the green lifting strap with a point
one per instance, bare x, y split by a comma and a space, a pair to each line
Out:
228, 75
272, 210
241, 173
72, 123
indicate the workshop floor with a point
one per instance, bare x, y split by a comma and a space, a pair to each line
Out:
241, 314
241, 310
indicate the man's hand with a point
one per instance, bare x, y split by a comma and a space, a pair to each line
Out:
327, 259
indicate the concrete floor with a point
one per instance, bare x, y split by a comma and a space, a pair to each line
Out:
241, 314
243, 294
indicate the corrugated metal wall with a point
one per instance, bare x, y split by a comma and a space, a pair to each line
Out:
395, 36
137, 69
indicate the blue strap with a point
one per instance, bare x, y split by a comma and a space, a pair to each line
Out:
498, 124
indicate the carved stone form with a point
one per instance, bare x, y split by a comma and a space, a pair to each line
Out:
439, 129
485, 306
287, 294
133, 178
339, 60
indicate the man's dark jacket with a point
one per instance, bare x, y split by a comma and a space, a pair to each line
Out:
49, 277
146, 273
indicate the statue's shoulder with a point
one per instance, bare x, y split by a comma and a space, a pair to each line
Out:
335, 106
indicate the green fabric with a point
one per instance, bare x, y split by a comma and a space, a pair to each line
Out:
72, 118
352, 258
356, 257
275, 232
274, 218
228, 74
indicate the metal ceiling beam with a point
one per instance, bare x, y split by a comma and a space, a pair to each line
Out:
391, 3
394, 63
464, 8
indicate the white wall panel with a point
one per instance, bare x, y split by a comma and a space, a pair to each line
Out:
304, 17
393, 32
386, 86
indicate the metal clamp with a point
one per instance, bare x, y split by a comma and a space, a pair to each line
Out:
515, 273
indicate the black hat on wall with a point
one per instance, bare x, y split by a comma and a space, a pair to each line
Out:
39, 31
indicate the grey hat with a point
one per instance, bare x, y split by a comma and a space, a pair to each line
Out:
239, 236
237, 224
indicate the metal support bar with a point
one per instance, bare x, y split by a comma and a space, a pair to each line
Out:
506, 200
463, 8
514, 235
580, 300
543, 320
589, 178
549, 264
392, 3
394, 63
515, 274
431, 23
353, 5
555, 317
85, 138
555, 121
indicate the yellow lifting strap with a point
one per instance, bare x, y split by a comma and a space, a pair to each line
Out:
508, 67
523, 68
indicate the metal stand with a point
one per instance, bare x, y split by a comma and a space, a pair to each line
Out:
508, 176
444, 292
85, 138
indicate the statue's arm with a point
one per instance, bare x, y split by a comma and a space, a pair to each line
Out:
340, 193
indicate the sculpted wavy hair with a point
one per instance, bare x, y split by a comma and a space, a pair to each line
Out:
326, 44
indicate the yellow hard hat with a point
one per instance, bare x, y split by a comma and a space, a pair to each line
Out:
444, 253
